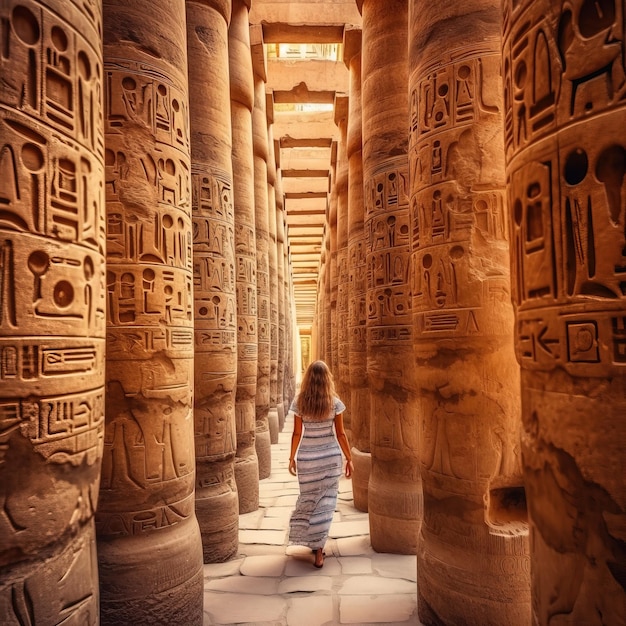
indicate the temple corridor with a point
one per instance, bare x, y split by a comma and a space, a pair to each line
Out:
199, 198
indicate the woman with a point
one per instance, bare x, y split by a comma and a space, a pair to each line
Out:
318, 446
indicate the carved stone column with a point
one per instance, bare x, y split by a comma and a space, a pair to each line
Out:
394, 500
330, 243
326, 331
342, 370
147, 488
357, 343
259, 130
281, 288
52, 310
321, 323
215, 302
473, 558
290, 330
565, 114
242, 103
273, 277
289, 387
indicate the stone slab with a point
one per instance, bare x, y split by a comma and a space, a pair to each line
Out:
311, 611
306, 584
386, 609
395, 566
376, 586
269, 565
252, 585
224, 608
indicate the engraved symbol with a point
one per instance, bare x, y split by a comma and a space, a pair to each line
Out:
549, 343
583, 342
589, 51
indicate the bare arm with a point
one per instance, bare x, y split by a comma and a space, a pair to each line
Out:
295, 442
342, 438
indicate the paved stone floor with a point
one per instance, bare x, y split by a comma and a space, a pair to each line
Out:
271, 584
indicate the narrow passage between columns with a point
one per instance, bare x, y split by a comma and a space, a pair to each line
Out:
269, 582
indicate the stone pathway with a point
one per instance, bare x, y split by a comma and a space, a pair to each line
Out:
271, 584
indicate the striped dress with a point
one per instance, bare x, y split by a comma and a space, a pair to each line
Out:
319, 467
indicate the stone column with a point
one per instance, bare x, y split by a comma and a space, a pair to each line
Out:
357, 343
289, 386
292, 330
52, 310
147, 488
281, 288
342, 369
273, 276
330, 303
326, 272
473, 558
394, 499
215, 301
565, 115
242, 103
259, 131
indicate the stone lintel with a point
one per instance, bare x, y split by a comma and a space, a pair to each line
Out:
308, 76
301, 94
306, 195
352, 37
302, 33
305, 173
306, 142
298, 12
269, 105
341, 107
303, 125
257, 49
307, 219
305, 238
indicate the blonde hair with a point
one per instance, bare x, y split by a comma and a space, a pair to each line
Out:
317, 393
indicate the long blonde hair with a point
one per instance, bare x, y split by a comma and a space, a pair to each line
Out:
317, 392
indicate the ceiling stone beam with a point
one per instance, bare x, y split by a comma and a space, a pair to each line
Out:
322, 76
300, 94
311, 142
302, 125
305, 158
306, 195
303, 33
323, 173
299, 12
306, 204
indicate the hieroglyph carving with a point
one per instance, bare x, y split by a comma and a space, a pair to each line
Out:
52, 308
387, 241
149, 282
565, 97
